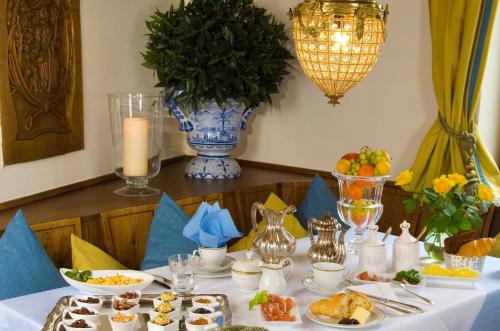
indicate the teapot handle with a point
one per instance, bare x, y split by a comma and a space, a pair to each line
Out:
310, 228
256, 206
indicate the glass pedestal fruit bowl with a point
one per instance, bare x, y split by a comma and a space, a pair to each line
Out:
359, 204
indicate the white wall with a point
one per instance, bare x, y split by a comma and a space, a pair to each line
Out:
112, 37
391, 109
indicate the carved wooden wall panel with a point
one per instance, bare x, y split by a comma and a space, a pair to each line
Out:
41, 100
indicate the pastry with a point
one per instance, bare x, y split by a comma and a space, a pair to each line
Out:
478, 247
341, 305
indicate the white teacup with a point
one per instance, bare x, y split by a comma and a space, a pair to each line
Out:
211, 257
192, 327
67, 327
328, 274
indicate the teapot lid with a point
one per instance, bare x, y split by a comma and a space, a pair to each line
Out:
248, 264
326, 221
405, 237
373, 240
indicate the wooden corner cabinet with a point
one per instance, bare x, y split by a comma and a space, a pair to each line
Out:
120, 225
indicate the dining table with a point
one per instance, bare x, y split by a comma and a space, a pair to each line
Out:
457, 306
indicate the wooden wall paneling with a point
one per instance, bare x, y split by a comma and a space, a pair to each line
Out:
55, 237
245, 199
394, 213
125, 232
190, 205
92, 231
294, 193
231, 203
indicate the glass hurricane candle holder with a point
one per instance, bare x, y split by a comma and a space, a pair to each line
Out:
137, 129
359, 204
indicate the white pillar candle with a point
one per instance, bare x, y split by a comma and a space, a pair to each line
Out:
135, 147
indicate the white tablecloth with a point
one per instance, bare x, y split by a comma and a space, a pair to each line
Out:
455, 309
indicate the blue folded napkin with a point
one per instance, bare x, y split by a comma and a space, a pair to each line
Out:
211, 226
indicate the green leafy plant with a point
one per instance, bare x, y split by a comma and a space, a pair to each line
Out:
451, 209
411, 276
217, 50
81, 276
260, 298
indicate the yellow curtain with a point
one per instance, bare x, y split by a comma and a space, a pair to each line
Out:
460, 31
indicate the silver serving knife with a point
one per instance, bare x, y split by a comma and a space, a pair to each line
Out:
389, 301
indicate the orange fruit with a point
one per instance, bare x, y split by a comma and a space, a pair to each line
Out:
343, 166
366, 170
352, 191
383, 167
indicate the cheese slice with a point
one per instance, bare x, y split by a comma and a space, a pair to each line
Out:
361, 314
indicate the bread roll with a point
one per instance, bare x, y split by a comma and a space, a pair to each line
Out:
478, 247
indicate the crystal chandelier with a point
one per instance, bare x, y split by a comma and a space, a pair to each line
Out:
338, 41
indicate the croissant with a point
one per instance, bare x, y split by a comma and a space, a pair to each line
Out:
341, 305
478, 247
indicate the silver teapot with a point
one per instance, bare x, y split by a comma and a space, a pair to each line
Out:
327, 248
274, 243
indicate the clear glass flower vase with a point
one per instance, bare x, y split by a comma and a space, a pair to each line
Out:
137, 130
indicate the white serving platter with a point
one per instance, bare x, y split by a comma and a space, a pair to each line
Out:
110, 289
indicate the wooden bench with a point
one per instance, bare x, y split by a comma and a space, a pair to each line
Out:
122, 233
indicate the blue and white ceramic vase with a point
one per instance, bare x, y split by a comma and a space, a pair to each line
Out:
213, 131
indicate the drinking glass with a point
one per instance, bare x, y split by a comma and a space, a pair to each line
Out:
183, 268
137, 129
359, 204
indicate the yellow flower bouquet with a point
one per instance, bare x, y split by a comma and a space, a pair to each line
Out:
451, 209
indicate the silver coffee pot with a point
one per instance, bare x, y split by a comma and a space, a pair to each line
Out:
327, 248
274, 243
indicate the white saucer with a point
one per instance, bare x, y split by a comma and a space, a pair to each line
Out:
226, 264
310, 284
220, 274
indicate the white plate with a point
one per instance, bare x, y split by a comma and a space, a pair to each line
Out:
110, 289
226, 264
221, 274
376, 317
313, 287
451, 279
295, 311
388, 275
